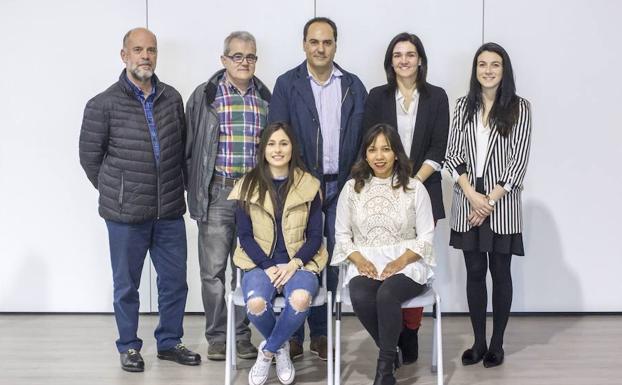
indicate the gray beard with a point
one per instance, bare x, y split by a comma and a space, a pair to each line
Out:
141, 74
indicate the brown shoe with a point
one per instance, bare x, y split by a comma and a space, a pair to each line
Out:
295, 350
319, 346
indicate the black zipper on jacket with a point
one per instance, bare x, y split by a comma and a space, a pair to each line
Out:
158, 191
121, 192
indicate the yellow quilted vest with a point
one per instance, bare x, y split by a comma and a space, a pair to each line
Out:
294, 222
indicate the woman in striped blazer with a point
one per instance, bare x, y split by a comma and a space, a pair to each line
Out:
487, 156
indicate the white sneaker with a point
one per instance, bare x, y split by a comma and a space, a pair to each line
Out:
285, 370
260, 371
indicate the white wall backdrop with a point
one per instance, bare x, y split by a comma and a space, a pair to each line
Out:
53, 245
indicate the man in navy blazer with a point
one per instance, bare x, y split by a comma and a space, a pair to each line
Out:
324, 104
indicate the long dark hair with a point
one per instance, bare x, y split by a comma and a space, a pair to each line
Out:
504, 112
260, 178
361, 171
422, 71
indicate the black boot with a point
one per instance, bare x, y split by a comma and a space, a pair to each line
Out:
409, 344
385, 369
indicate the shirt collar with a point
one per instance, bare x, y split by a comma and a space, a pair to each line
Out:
137, 91
335, 73
399, 97
231, 87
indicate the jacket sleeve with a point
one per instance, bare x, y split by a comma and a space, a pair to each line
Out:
184, 141
440, 131
278, 110
520, 143
191, 125
372, 112
455, 149
94, 135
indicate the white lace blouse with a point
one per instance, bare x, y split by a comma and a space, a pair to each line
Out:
381, 223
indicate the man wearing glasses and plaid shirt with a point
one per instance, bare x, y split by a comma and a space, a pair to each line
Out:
225, 117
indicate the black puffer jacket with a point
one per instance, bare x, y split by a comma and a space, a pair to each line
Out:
117, 155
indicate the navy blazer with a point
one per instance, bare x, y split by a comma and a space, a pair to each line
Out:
293, 102
430, 134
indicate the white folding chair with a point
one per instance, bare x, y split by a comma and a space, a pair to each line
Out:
428, 297
236, 298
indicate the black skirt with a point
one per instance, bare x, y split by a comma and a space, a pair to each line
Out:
483, 239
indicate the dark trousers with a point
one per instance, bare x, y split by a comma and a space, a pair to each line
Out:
166, 242
317, 314
378, 305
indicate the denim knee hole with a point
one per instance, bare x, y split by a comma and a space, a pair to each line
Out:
256, 306
300, 300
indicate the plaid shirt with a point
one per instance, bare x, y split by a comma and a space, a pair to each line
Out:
148, 107
242, 117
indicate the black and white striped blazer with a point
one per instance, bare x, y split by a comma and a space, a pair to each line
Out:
506, 161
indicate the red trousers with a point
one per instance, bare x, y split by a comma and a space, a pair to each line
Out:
412, 317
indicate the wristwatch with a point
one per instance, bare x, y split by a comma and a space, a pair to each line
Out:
491, 202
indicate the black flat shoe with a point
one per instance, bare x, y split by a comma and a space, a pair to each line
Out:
492, 359
181, 355
132, 361
409, 344
472, 356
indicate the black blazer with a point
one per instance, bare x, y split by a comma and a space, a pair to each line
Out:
429, 137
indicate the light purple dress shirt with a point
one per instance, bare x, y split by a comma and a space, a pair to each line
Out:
327, 98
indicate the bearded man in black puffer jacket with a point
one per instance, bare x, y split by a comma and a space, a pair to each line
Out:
132, 150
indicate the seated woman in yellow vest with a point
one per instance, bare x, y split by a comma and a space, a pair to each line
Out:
279, 222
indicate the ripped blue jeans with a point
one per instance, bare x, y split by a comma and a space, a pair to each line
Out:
277, 330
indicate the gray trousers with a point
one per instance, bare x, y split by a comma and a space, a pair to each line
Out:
216, 245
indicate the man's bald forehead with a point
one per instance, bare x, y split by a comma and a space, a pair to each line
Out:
134, 30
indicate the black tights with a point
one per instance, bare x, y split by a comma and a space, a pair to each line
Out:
378, 305
476, 266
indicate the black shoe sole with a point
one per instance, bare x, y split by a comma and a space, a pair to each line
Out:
132, 370
217, 358
188, 363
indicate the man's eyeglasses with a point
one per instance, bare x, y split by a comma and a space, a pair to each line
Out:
238, 58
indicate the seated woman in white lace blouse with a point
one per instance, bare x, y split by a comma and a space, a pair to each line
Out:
385, 230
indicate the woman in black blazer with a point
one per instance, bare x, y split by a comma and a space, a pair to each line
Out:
487, 156
420, 112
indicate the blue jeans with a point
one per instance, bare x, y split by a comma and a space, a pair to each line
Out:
317, 314
165, 239
276, 331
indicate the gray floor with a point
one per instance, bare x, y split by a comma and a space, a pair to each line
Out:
71, 349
